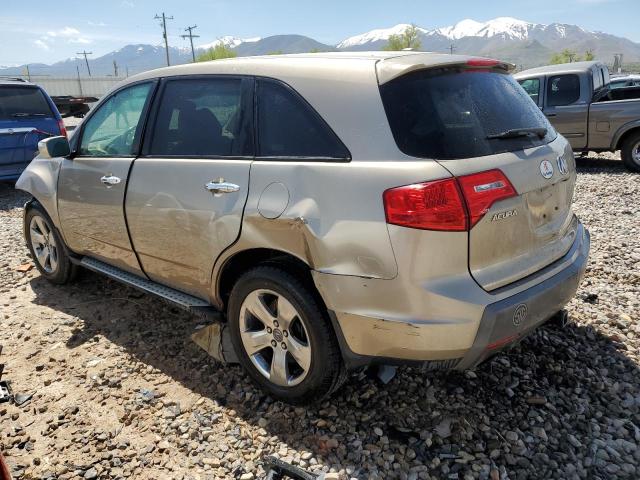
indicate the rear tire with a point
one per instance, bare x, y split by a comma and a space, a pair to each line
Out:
630, 152
48, 251
282, 336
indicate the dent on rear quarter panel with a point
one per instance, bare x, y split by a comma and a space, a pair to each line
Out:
40, 179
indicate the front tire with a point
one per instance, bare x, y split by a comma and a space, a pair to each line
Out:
47, 248
630, 152
282, 336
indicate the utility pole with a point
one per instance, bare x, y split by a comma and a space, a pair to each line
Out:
28, 73
115, 69
164, 33
191, 36
452, 47
85, 53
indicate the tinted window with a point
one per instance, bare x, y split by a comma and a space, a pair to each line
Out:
19, 102
288, 127
201, 117
598, 81
449, 114
532, 87
563, 90
113, 128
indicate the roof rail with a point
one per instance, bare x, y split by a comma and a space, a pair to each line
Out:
17, 79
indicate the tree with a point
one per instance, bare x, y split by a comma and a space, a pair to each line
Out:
568, 56
218, 52
410, 38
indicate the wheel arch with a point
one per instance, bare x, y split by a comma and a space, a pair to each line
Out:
235, 265
625, 132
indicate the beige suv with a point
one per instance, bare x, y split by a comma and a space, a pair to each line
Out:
339, 209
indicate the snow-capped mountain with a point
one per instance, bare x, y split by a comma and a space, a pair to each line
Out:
228, 41
511, 39
503, 26
375, 36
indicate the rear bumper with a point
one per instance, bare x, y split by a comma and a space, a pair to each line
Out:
511, 319
458, 329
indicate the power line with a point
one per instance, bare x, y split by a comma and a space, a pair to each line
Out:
85, 53
164, 33
191, 36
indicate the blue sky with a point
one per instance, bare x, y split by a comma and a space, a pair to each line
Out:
48, 31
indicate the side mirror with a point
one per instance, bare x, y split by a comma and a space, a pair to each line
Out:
54, 147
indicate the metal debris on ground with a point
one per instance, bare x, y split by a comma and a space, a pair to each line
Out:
277, 469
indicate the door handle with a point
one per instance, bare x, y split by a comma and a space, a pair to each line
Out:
551, 114
110, 180
220, 186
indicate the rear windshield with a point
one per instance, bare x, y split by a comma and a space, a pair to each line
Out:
448, 114
18, 102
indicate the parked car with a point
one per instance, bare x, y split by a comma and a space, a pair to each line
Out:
625, 81
340, 209
579, 102
27, 115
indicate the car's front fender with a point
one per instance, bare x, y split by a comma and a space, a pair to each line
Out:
40, 179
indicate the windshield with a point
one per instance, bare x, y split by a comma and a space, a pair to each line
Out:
19, 102
456, 113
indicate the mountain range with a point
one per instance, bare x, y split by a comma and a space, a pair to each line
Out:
524, 43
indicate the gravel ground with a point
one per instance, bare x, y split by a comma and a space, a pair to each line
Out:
119, 390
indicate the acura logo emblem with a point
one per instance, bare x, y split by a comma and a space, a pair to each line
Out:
519, 314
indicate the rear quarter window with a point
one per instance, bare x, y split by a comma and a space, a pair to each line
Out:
289, 127
563, 90
448, 114
21, 101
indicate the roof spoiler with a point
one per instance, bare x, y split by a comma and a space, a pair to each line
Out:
391, 68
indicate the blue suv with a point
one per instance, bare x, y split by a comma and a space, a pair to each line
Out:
27, 115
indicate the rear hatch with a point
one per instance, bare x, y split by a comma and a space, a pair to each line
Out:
515, 175
26, 117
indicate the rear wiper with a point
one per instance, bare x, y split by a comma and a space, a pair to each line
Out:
24, 114
520, 132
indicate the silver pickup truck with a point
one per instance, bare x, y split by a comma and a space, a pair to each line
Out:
578, 100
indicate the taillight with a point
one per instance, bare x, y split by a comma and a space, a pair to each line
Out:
481, 190
451, 204
483, 62
63, 131
434, 205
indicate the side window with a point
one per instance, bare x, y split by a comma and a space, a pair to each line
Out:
113, 129
201, 116
598, 81
289, 127
532, 87
563, 90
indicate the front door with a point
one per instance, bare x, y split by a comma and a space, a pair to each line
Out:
566, 109
188, 189
92, 185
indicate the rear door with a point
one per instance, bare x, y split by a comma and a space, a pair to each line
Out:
187, 191
26, 117
518, 188
567, 107
92, 184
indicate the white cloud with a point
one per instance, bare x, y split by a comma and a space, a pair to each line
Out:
96, 24
42, 44
127, 3
66, 32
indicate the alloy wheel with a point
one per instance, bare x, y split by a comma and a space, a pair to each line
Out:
275, 337
44, 244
